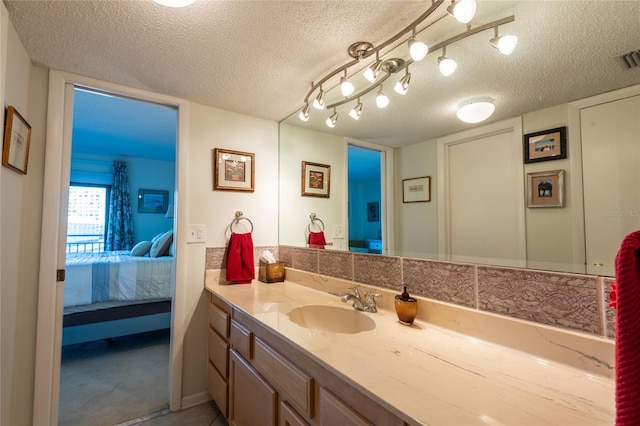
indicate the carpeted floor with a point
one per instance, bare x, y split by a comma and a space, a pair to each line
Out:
107, 382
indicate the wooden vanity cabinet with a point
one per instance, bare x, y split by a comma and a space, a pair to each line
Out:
218, 343
271, 382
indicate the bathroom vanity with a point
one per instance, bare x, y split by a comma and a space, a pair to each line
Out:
274, 360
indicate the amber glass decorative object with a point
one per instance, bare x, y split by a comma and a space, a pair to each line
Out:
406, 307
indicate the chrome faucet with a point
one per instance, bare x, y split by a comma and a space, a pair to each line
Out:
368, 305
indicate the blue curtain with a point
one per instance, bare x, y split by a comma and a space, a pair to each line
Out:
120, 226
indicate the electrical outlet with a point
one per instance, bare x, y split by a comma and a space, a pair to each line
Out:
338, 231
196, 233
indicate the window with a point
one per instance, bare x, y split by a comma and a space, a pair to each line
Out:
87, 218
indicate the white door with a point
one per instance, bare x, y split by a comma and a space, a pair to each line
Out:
481, 195
611, 179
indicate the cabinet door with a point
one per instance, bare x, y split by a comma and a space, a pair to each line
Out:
335, 412
252, 401
288, 416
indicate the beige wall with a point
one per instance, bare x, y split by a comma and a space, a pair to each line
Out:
297, 145
20, 219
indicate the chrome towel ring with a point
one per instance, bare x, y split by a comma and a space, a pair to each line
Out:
237, 220
314, 218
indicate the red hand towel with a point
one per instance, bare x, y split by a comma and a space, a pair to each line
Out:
316, 240
627, 300
240, 267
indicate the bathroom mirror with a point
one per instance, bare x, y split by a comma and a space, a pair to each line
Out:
567, 52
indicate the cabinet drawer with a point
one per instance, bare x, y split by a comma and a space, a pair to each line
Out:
286, 377
218, 389
241, 338
219, 353
335, 412
219, 320
288, 417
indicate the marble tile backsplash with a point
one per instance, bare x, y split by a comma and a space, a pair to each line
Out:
572, 301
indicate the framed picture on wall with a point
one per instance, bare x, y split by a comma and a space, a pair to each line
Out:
17, 137
233, 170
316, 179
546, 145
373, 212
545, 189
416, 190
153, 201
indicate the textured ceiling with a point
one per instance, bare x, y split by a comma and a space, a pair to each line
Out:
260, 57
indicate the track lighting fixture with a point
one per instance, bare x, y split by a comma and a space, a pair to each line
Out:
356, 111
505, 44
371, 73
331, 121
318, 102
381, 99
304, 113
402, 86
475, 110
385, 65
417, 49
462, 10
446, 65
346, 87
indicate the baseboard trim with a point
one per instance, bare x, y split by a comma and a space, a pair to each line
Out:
195, 399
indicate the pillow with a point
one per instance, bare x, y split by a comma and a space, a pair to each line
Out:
161, 245
154, 239
141, 249
170, 252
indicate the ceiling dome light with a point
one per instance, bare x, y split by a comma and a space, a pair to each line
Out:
331, 121
505, 44
381, 99
462, 10
318, 102
175, 3
304, 113
475, 110
356, 111
402, 86
346, 87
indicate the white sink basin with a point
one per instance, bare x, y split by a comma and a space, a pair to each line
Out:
332, 318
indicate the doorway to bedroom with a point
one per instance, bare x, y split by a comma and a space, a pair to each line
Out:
119, 264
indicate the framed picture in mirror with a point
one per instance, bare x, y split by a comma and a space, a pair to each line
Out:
546, 145
233, 170
153, 201
316, 179
545, 189
416, 190
17, 136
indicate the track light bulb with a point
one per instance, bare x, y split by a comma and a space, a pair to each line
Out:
346, 87
356, 111
462, 10
304, 113
447, 65
371, 73
417, 49
318, 102
402, 86
381, 99
331, 121
505, 44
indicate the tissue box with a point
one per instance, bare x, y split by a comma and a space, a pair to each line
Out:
271, 272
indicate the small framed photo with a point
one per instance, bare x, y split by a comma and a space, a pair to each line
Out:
546, 145
233, 170
416, 190
17, 137
316, 179
373, 212
545, 189
153, 201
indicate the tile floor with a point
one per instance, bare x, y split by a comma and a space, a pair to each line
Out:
206, 414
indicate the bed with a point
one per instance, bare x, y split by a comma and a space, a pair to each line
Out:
113, 294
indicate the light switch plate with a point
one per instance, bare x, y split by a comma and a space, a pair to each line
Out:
196, 233
338, 231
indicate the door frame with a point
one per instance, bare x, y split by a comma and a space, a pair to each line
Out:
52, 250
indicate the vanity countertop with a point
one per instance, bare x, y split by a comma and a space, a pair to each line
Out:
432, 375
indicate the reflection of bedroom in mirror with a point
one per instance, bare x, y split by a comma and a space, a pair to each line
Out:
119, 259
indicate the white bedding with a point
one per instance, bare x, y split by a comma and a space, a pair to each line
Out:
101, 277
